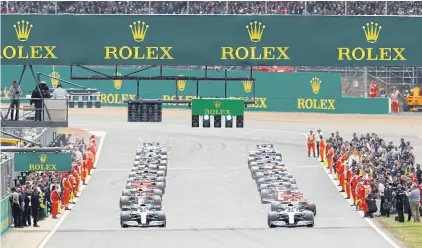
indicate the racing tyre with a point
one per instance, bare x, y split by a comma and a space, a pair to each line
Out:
161, 179
265, 196
274, 206
292, 181
124, 200
263, 186
253, 163
272, 216
132, 174
161, 186
254, 170
260, 181
126, 192
161, 217
163, 168
128, 185
312, 208
161, 173
156, 199
158, 192
309, 216
124, 216
258, 175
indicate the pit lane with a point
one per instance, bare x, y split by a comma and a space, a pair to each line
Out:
211, 200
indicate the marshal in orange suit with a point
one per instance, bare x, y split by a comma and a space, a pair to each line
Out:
55, 201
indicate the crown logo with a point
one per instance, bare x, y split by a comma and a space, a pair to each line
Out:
247, 86
22, 30
55, 76
372, 31
217, 104
316, 85
139, 31
43, 158
255, 30
181, 84
117, 83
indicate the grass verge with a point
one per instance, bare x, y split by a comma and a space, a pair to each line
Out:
409, 232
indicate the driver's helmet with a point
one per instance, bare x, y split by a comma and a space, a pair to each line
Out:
143, 208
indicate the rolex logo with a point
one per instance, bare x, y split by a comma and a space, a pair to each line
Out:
117, 83
139, 30
217, 104
181, 84
255, 30
372, 31
23, 29
316, 85
43, 158
55, 76
247, 86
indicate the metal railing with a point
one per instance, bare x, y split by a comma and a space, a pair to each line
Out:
53, 110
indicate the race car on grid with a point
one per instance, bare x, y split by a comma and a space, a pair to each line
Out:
142, 216
290, 214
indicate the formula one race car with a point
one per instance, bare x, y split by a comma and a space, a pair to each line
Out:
142, 182
142, 217
150, 147
150, 164
262, 167
270, 195
295, 198
140, 188
147, 169
290, 215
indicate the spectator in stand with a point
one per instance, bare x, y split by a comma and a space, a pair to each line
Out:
217, 7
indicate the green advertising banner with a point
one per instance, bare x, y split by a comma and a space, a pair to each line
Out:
293, 92
214, 106
211, 40
6, 214
281, 92
37, 161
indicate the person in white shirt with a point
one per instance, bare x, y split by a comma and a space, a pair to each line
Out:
318, 139
14, 94
60, 93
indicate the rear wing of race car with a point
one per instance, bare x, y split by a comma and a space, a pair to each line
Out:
265, 146
290, 197
157, 144
139, 183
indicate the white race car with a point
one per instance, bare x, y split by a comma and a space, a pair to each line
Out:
290, 215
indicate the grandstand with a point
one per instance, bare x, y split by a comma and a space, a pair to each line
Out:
353, 77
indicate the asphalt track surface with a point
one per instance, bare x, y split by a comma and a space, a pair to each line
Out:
211, 200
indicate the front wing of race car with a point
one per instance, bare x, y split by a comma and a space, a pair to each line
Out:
135, 223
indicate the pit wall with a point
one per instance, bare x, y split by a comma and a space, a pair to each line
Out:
276, 92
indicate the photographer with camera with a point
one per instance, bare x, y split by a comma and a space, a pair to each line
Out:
14, 93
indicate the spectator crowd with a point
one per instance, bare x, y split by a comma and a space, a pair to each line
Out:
376, 175
216, 7
37, 195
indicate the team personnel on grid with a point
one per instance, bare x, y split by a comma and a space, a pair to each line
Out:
311, 143
318, 140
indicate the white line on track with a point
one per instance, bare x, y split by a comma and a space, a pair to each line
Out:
51, 233
360, 213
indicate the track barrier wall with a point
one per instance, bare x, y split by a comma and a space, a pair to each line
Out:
277, 92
